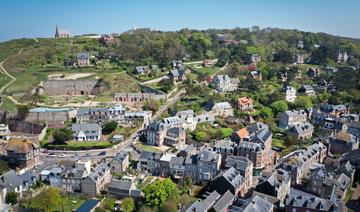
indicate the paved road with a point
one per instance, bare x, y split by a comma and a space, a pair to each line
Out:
154, 80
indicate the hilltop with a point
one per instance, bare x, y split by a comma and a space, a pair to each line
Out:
32, 60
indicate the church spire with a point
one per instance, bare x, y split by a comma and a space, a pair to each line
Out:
56, 31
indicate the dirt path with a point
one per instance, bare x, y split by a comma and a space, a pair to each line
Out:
3, 70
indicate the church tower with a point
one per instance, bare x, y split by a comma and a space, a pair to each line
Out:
56, 32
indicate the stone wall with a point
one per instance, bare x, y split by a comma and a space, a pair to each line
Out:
51, 116
26, 127
71, 87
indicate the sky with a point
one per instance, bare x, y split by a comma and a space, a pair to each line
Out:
38, 18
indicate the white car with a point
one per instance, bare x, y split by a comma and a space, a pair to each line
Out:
62, 156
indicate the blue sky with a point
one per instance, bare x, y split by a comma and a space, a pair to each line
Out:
37, 18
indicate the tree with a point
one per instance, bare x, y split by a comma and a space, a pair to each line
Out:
152, 105
11, 198
225, 132
283, 56
49, 199
266, 112
22, 111
201, 136
302, 102
61, 135
161, 191
224, 57
279, 106
109, 127
128, 204
35, 98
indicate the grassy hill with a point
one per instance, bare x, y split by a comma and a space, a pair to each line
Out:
45, 57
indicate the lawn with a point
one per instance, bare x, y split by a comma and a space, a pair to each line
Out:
8, 105
149, 148
69, 202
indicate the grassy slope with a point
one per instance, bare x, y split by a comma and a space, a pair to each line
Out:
38, 60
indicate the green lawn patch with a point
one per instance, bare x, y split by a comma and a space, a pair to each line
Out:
144, 147
8, 105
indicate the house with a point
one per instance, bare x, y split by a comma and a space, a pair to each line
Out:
256, 75
177, 76
120, 162
229, 180
203, 167
107, 40
213, 202
4, 132
176, 137
290, 94
89, 206
100, 115
208, 63
142, 70
222, 109
96, 181
83, 164
334, 109
244, 165
61, 33
314, 72
342, 57
299, 59
177, 64
83, 59
70, 179
255, 58
311, 203
343, 142
117, 138
165, 168
299, 163
254, 204
307, 90
302, 131
86, 132
149, 162
300, 44
123, 188
277, 184
155, 133
223, 83
291, 118
354, 128
22, 153
187, 151
177, 167
10, 182
245, 104
224, 147
256, 145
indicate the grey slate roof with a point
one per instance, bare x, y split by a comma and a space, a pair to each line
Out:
224, 202
238, 162
98, 172
87, 129
233, 176
10, 180
83, 55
